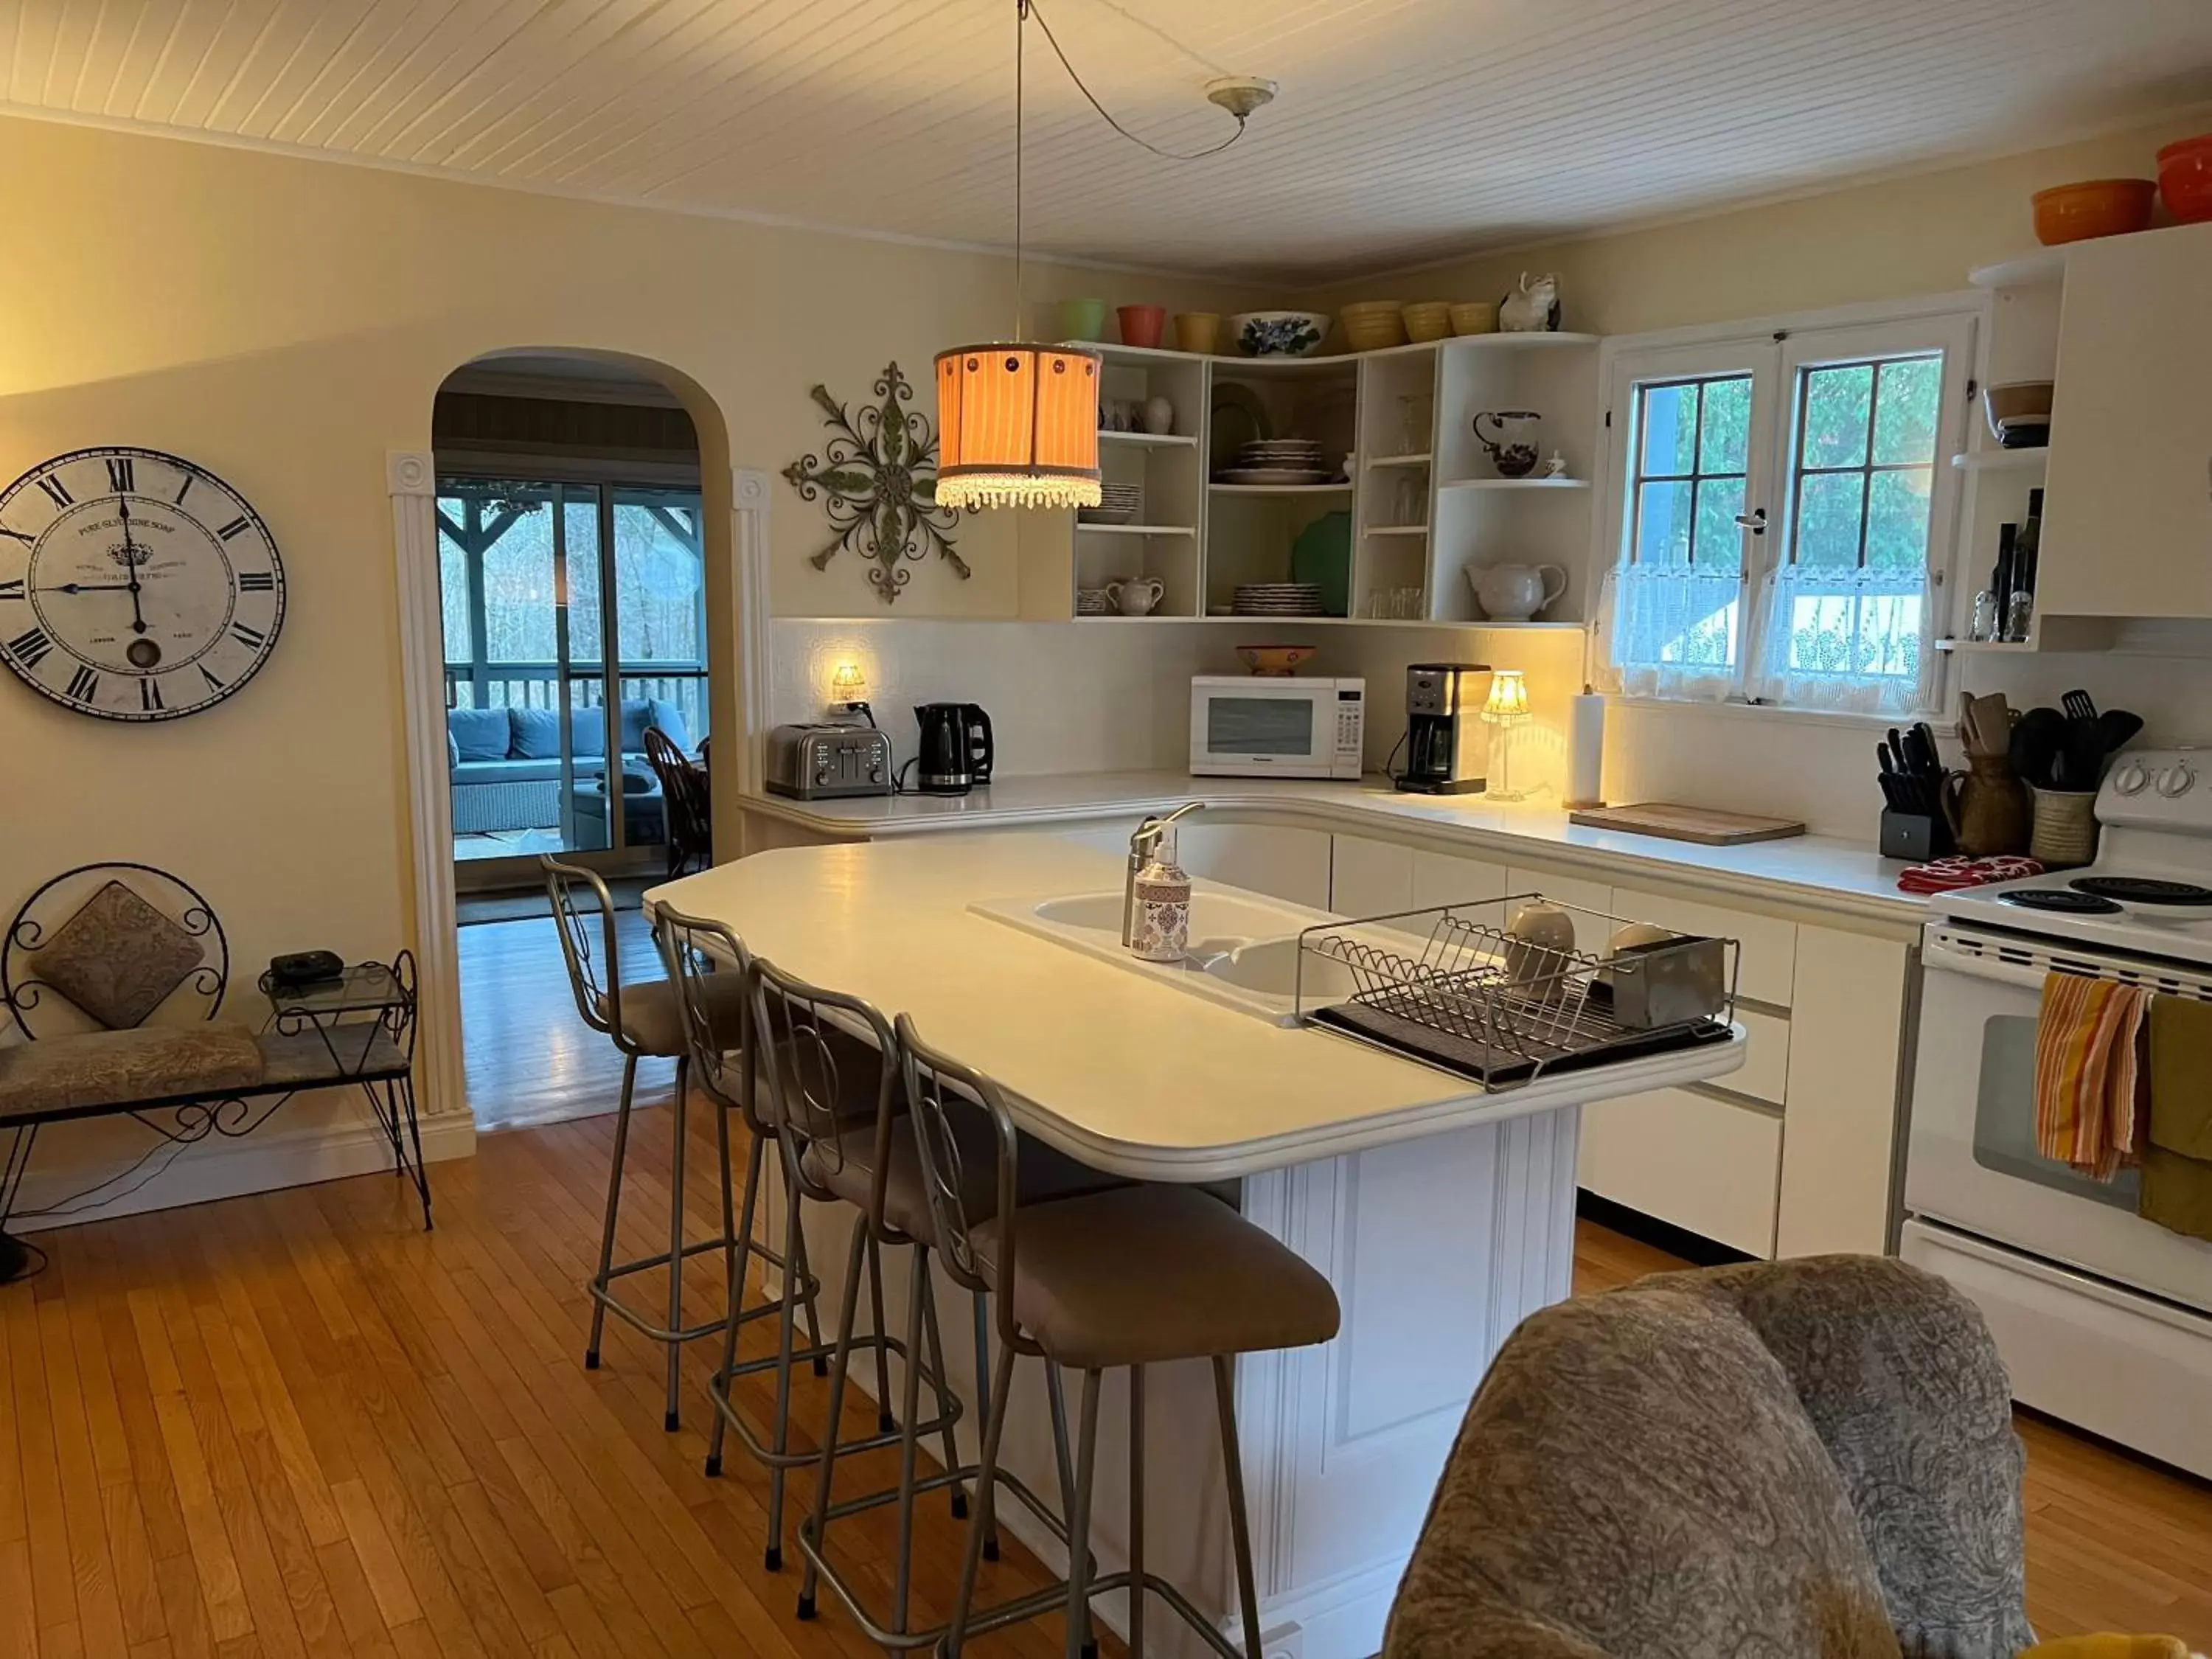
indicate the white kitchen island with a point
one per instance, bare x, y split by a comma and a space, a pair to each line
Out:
1440, 1214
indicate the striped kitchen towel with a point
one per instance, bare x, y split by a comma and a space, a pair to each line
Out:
2090, 1073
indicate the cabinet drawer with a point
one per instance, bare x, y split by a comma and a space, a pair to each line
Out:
1687, 1158
1448, 878
1767, 969
1281, 862
1765, 1074
1369, 878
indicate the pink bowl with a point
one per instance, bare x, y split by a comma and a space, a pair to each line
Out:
1141, 325
2184, 178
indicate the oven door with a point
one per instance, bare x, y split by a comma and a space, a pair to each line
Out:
1973, 1162
1259, 728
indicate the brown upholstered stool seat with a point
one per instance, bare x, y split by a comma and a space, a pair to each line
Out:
1042, 1175
653, 1017
1143, 1274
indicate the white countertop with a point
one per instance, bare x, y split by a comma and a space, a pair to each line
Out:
1816, 872
1111, 1064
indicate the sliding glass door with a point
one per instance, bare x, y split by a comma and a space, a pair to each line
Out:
545, 584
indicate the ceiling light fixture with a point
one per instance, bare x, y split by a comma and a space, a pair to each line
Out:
1017, 423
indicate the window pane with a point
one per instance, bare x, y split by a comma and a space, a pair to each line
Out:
1897, 519
1720, 540
518, 578
659, 580
1669, 422
1725, 438
1663, 524
1828, 519
1906, 408
454, 582
579, 516
1837, 402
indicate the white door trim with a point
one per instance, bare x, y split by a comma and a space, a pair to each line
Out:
411, 481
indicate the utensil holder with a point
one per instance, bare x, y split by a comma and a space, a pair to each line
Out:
2065, 828
1917, 836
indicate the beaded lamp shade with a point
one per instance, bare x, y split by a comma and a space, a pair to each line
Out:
1017, 426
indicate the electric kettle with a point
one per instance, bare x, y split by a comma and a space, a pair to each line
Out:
955, 751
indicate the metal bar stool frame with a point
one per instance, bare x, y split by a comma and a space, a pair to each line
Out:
895, 1633
928, 1072
598, 993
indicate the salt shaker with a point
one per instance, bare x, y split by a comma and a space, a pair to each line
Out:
1163, 920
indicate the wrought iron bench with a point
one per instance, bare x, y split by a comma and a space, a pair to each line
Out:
112, 975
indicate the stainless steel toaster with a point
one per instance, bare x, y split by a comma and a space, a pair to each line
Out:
824, 763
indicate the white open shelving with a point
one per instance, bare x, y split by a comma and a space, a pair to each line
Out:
1399, 421
2001, 460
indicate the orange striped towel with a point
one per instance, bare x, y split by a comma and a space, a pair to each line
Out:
2089, 1073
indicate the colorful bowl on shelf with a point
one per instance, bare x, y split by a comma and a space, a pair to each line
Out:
1274, 662
1428, 320
2184, 178
1279, 333
2016, 403
1371, 325
2095, 207
1476, 317
1082, 319
1198, 331
1141, 325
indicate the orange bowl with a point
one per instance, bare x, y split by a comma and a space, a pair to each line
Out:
2095, 207
2184, 178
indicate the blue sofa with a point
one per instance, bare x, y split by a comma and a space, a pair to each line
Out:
506, 762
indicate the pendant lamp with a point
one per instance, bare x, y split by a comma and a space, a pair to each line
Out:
1017, 425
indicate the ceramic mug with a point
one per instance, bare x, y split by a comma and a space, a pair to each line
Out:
1135, 596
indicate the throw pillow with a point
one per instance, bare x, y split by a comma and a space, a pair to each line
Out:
452, 749
538, 734
118, 957
480, 735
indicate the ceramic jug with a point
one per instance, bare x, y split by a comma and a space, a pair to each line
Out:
1987, 808
1516, 593
1135, 596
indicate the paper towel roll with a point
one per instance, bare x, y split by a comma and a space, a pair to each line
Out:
1586, 751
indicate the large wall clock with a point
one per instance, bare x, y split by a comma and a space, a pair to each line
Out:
134, 586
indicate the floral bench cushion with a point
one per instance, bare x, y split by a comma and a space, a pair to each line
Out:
115, 1068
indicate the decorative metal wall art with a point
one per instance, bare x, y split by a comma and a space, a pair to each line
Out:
878, 482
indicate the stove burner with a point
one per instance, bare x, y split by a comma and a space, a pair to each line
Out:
2059, 901
2142, 889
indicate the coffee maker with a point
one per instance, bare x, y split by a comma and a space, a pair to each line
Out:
955, 752
1446, 744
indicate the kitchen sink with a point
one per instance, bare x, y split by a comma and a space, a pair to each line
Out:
1244, 948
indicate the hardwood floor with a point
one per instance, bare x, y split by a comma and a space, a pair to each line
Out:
294, 1424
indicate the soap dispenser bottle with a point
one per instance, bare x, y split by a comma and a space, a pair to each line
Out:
1163, 920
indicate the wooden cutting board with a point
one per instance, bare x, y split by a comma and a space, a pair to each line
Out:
1697, 823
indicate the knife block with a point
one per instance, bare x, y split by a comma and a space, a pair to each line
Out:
1917, 836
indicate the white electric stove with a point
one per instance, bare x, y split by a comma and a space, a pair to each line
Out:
2105, 1318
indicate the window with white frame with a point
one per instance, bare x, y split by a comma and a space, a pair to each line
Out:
1783, 513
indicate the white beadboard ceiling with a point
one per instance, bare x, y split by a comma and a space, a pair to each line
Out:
1406, 130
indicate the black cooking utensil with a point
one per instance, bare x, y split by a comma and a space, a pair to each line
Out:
2080, 761
2035, 741
2119, 728
2079, 705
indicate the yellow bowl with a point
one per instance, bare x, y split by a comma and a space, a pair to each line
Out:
1370, 325
1476, 317
1431, 320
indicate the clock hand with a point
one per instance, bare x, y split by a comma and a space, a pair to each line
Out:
86, 588
130, 556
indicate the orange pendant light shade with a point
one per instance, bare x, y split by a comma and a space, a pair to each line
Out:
1017, 426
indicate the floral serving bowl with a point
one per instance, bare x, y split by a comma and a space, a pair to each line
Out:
1279, 333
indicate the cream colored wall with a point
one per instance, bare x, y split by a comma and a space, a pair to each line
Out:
285, 322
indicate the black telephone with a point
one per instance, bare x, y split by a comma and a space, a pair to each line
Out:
302, 969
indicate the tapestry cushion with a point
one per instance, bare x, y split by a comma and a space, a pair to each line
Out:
117, 958
112, 1068
536, 733
481, 734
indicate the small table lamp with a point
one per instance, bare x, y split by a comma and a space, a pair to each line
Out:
1508, 707
848, 689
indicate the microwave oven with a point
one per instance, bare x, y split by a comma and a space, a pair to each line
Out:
1243, 726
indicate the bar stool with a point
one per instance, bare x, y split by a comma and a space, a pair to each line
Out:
640, 1019
878, 1169
799, 1079
1129, 1278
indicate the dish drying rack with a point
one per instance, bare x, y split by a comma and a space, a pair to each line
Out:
1451, 987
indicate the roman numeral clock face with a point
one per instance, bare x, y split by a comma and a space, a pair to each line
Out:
134, 586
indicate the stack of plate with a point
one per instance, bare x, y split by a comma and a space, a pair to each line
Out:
1277, 600
1278, 461
1120, 503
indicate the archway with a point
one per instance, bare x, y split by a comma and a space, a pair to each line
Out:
725, 523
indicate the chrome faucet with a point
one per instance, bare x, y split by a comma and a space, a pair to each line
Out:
1142, 844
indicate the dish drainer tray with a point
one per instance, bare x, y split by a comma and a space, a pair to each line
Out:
1488, 993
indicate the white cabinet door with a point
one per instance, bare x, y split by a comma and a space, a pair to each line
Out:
1767, 947
1703, 1164
1448, 878
1838, 1150
1283, 863
1370, 878
2127, 525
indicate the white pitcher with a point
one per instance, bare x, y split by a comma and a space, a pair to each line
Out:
1135, 596
1516, 593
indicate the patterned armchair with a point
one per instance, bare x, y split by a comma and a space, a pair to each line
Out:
1812, 1458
